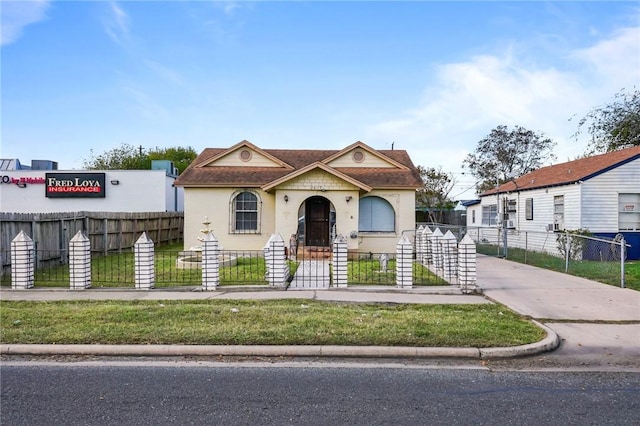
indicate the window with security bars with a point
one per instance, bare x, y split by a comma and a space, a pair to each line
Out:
629, 212
245, 213
558, 213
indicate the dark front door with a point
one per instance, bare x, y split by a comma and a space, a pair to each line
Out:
317, 222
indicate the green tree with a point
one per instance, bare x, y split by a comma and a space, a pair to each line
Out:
506, 154
123, 157
180, 156
434, 196
129, 157
613, 126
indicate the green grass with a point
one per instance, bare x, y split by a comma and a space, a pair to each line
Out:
276, 322
369, 272
604, 272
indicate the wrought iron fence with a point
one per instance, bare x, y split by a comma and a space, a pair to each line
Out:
240, 267
380, 269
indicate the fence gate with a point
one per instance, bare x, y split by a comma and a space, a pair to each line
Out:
313, 269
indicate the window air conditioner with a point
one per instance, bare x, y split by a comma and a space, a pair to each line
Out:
554, 227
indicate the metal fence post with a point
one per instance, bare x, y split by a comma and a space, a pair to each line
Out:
567, 246
623, 255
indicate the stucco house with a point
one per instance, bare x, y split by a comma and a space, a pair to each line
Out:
599, 193
249, 193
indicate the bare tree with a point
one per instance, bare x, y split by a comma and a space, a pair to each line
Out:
435, 195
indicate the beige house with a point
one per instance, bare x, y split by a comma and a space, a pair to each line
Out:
249, 193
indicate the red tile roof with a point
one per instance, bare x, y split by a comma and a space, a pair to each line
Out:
569, 172
199, 175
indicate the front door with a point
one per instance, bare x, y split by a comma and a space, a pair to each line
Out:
317, 222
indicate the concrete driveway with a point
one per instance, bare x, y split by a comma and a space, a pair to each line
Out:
597, 323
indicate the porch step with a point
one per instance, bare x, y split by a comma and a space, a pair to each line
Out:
312, 252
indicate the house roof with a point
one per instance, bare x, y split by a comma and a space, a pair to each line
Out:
290, 163
569, 172
469, 203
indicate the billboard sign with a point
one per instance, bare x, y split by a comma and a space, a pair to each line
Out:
75, 185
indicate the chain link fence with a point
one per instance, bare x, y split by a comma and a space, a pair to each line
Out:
573, 252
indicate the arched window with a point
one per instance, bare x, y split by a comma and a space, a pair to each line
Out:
376, 215
245, 215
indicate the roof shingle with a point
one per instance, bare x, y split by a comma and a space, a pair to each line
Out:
199, 175
569, 172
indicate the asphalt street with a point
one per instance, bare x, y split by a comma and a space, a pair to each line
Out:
176, 392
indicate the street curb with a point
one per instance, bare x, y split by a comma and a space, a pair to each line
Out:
240, 350
550, 342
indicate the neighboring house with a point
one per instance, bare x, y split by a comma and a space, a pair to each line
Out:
249, 193
473, 210
600, 194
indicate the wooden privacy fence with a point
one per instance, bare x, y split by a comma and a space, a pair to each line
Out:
107, 231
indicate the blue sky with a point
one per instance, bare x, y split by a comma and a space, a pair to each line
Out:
431, 77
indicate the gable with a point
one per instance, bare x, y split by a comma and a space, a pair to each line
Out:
360, 158
244, 157
360, 155
243, 154
317, 180
324, 175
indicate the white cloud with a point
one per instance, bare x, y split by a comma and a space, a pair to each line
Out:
616, 60
16, 15
117, 23
466, 100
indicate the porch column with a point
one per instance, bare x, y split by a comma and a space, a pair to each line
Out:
210, 262
404, 263
339, 260
144, 263
276, 261
467, 265
22, 262
79, 262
